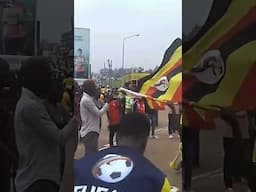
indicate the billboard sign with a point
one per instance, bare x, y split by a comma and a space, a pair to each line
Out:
82, 53
18, 28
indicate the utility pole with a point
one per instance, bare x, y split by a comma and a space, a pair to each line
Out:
104, 74
111, 73
109, 70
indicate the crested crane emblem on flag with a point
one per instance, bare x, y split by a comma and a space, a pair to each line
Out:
162, 84
210, 68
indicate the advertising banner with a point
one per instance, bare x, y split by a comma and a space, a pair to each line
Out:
82, 53
18, 28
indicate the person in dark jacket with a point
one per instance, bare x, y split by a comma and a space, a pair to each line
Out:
9, 94
152, 113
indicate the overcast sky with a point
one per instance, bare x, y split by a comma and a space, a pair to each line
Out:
157, 21
194, 12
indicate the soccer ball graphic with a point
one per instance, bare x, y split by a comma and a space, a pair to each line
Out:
113, 168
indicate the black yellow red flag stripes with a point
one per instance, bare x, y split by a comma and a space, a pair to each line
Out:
220, 62
165, 84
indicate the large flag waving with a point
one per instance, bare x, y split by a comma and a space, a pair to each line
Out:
165, 84
219, 63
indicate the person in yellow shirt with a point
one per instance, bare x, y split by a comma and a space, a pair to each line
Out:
102, 98
66, 101
68, 82
67, 98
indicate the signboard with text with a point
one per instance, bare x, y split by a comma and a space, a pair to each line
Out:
82, 53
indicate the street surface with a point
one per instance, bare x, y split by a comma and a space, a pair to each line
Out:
207, 178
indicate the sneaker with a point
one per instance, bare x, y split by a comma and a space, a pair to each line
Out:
174, 189
170, 136
154, 137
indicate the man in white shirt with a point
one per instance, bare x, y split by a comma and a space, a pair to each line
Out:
90, 117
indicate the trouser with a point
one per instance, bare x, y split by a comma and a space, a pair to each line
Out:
188, 155
5, 183
157, 118
187, 163
112, 132
91, 142
196, 159
7, 172
43, 186
252, 140
236, 160
251, 177
173, 124
152, 118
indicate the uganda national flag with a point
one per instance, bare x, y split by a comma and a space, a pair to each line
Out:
220, 62
165, 84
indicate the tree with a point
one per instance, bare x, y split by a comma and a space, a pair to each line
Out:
149, 71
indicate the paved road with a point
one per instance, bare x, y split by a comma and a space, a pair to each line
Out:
209, 177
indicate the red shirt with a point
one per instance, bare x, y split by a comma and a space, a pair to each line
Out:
140, 106
114, 112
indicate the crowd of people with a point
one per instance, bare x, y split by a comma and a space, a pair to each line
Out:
115, 104
238, 143
94, 102
130, 123
237, 129
44, 118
